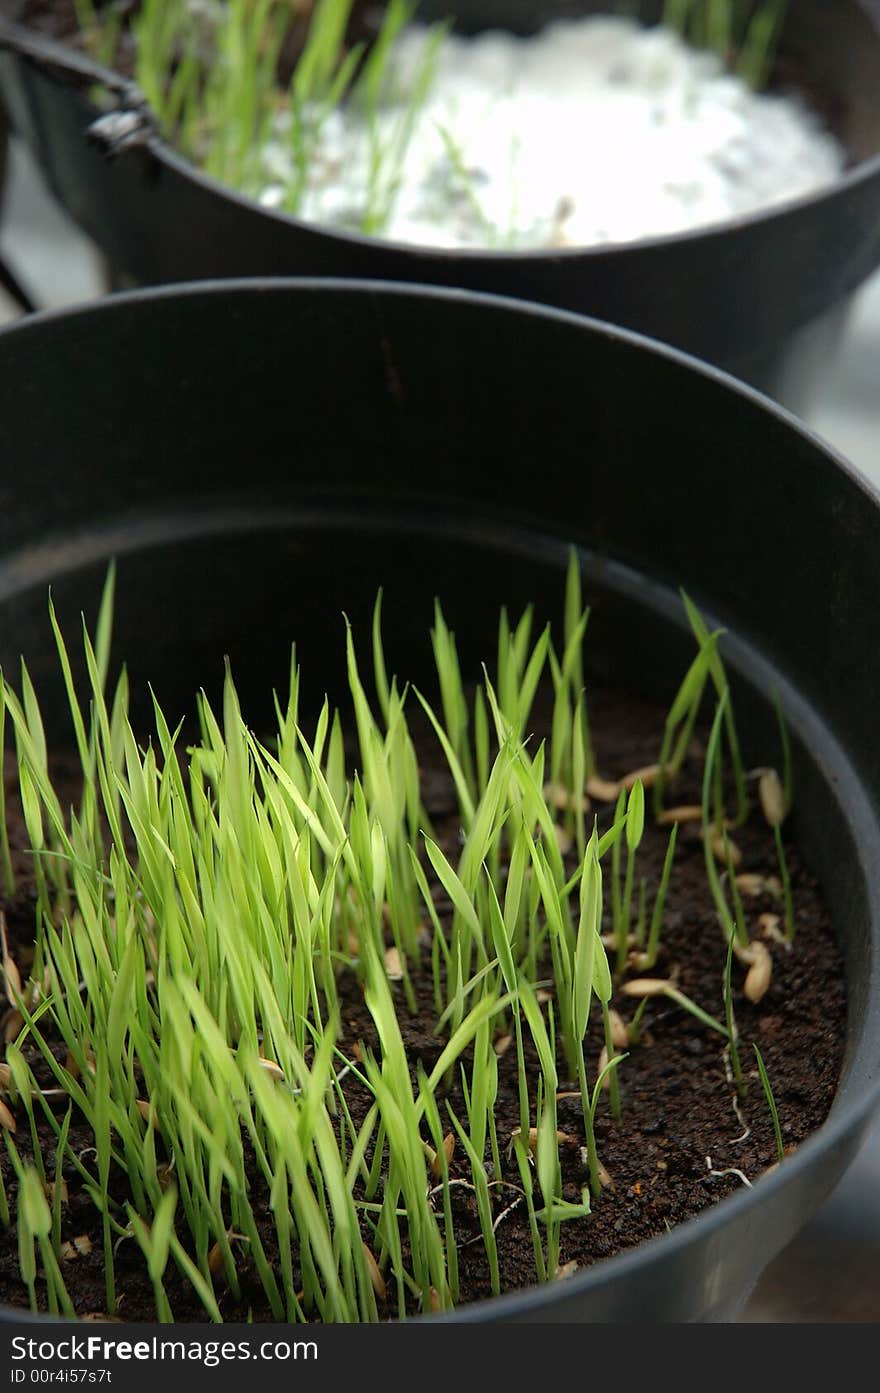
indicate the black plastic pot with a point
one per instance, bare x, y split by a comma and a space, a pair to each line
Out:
259, 456
764, 296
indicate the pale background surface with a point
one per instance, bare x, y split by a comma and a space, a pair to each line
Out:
832, 1272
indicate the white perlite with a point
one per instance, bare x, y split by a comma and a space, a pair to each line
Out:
593, 131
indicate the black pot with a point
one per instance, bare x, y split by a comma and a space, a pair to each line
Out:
764, 296
260, 456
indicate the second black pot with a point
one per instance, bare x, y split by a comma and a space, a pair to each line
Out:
260, 457
763, 296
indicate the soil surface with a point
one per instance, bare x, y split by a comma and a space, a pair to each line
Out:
681, 1143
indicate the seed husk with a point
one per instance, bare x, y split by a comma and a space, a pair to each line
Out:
562, 800
72, 1067
606, 1180
770, 926
146, 1111
14, 1024
744, 954
772, 797
647, 776
564, 1138
603, 1064
566, 1269
434, 1302
5, 1078
11, 974
83, 1244
685, 812
502, 1045
619, 1030
393, 965
7, 1121
722, 846
647, 986
609, 940
375, 1272
563, 840
603, 790
448, 1151
749, 883
759, 974
270, 1067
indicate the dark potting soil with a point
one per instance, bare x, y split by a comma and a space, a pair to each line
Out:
682, 1142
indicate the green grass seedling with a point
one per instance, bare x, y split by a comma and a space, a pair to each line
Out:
745, 37
589, 954
655, 930
719, 679
730, 927
634, 831
771, 1104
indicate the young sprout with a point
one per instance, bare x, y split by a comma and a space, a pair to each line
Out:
771, 1103
774, 806
712, 823
619, 928
681, 719
644, 988
590, 973
759, 45
635, 827
649, 957
732, 1045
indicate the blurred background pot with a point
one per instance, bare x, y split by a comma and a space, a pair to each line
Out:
765, 296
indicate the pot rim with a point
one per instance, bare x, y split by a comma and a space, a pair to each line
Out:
39, 52
845, 1118
863, 172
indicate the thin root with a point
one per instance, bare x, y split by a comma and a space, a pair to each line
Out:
728, 1170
